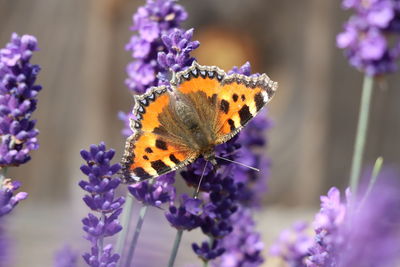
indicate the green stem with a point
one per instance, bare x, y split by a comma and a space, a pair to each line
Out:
175, 248
3, 173
374, 176
138, 228
361, 135
126, 219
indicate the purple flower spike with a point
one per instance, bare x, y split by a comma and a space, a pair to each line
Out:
207, 252
179, 46
187, 215
293, 245
101, 186
366, 35
156, 19
18, 93
243, 246
161, 191
7, 198
361, 230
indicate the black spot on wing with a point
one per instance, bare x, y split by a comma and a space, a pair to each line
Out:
243, 97
259, 100
235, 97
245, 115
141, 173
160, 144
224, 106
231, 124
145, 157
174, 159
160, 167
148, 150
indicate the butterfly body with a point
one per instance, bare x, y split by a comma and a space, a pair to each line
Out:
204, 108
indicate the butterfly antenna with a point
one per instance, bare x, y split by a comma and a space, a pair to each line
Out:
239, 163
196, 193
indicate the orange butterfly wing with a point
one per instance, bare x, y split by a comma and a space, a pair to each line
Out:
151, 151
238, 98
241, 99
224, 103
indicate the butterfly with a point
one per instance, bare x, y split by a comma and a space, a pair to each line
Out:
202, 108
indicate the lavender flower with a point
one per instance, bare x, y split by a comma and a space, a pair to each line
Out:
152, 21
361, 230
293, 245
210, 212
208, 251
365, 38
186, 216
66, 258
243, 245
370, 235
179, 46
18, 93
101, 187
157, 193
327, 227
7, 198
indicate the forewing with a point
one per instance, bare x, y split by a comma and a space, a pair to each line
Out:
224, 102
240, 99
153, 150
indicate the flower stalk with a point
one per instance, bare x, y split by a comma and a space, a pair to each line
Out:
374, 177
138, 228
126, 218
3, 173
361, 134
175, 248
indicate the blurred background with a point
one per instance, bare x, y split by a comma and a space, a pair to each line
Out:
83, 63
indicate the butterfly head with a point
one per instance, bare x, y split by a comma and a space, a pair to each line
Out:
209, 155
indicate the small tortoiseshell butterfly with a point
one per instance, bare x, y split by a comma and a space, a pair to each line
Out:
205, 107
